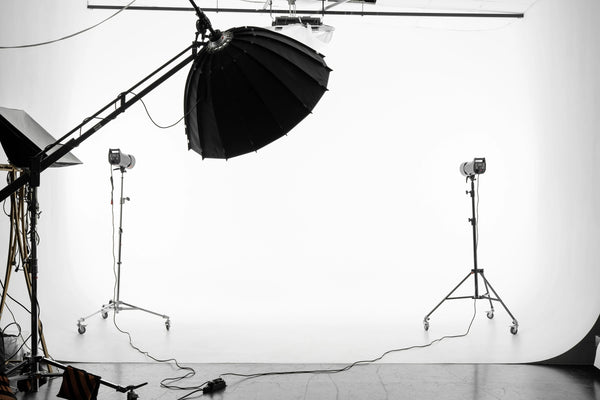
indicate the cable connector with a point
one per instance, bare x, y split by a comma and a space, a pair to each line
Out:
216, 385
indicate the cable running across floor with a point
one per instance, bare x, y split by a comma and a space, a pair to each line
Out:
337, 370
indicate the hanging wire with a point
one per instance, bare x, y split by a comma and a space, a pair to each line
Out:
170, 125
156, 123
22, 46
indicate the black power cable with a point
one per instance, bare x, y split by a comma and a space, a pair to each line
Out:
167, 383
170, 125
19, 349
356, 363
22, 46
15, 323
364, 362
156, 123
219, 384
15, 300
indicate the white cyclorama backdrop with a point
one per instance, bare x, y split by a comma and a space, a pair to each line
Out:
331, 244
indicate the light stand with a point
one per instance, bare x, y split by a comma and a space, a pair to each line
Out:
116, 304
476, 272
264, 100
30, 368
18, 245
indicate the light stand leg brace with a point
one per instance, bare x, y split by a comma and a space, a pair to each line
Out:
116, 304
490, 294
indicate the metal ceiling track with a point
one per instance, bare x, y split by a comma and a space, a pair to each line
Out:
320, 12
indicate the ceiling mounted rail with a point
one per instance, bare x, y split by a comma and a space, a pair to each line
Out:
321, 12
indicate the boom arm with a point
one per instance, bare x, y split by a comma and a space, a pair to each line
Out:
41, 161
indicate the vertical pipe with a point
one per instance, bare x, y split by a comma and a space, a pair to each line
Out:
33, 269
120, 240
474, 226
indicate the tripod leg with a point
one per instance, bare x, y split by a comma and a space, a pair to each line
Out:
490, 314
132, 307
426, 319
515, 326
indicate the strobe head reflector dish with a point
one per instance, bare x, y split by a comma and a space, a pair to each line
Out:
121, 160
471, 168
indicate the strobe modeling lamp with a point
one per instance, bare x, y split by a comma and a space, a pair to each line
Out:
471, 168
119, 159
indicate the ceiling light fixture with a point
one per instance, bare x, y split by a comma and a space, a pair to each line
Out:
309, 30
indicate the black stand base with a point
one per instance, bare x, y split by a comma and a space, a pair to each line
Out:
487, 296
118, 306
32, 380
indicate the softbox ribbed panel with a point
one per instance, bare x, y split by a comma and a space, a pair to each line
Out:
250, 92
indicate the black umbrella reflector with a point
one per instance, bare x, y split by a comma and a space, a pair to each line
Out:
248, 88
22, 138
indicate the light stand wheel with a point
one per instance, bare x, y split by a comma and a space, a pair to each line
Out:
104, 314
490, 314
168, 324
81, 329
426, 325
514, 329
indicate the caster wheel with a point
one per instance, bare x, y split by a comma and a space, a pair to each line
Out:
104, 315
514, 330
426, 325
81, 329
490, 314
168, 324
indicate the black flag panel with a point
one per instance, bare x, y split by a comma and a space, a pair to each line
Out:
5, 390
78, 384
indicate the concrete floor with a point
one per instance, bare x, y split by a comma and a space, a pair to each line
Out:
372, 382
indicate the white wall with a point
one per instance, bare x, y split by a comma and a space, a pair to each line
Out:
332, 243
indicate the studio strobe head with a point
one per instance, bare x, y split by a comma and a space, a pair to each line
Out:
471, 168
121, 160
